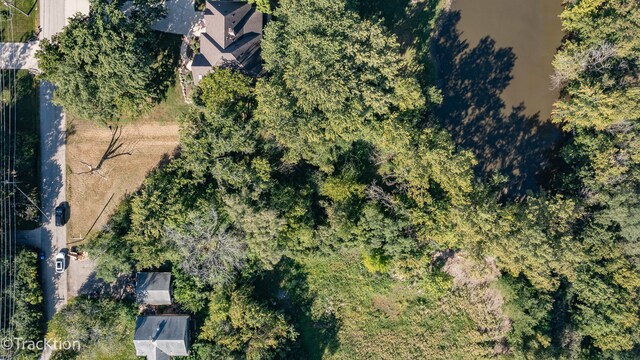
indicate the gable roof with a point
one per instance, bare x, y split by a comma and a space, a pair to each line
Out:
158, 337
225, 20
232, 38
154, 288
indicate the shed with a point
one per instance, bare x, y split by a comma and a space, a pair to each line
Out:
154, 288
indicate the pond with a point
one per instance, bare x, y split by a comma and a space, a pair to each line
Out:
493, 66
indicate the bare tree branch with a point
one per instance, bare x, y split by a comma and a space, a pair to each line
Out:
114, 149
211, 251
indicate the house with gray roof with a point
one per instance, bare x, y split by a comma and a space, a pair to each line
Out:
160, 337
153, 288
232, 38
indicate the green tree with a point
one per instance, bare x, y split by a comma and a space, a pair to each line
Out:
264, 6
598, 103
224, 88
24, 295
108, 248
108, 64
243, 326
330, 77
103, 327
189, 292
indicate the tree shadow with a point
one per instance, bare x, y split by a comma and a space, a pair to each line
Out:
52, 139
96, 288
167, 53
410, 21
472, 81
286, 288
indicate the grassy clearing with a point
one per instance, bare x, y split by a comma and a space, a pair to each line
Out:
149, 139
90, 195
24, 26
344, 312
170, 108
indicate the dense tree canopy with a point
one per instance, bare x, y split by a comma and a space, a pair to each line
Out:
102, 328
108, 64
239, 324
323, 201
336, 86
24, 295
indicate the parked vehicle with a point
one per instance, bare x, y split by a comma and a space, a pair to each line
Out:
61, 214
41, 255
61, 261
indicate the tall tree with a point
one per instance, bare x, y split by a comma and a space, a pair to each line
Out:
108, 64
243, 326
331, 76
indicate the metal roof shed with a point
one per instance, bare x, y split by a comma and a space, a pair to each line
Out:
154, 288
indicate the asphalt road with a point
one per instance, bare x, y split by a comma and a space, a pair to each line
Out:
52, 192
51, 17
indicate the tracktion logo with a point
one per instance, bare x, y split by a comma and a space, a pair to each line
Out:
16, 344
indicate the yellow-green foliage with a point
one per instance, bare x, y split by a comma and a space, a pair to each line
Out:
379, 318
239, 324
104, 328
375, 263
595, 64
341, 189
594, 106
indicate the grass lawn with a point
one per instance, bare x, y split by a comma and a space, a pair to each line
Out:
342, 311
94, 197
149, 138
24, 26
26, 105
170, 108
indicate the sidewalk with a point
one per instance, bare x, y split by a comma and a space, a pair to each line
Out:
19, 55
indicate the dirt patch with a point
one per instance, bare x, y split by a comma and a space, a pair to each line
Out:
94, 195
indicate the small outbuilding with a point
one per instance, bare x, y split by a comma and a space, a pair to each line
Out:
154, 288
161, 337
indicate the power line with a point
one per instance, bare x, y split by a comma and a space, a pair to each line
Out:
13, 197
8, 143
4, 257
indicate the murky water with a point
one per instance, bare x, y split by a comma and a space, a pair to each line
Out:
494, 62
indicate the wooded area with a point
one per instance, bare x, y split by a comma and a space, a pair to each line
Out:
321, 211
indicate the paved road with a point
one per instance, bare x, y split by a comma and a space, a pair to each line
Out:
52, 173
54, 14
52, 18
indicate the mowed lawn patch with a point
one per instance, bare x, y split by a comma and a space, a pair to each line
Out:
142, 144
23, 26
148, 142
170, 108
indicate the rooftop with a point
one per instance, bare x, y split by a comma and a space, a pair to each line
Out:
159, 337
154, 288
